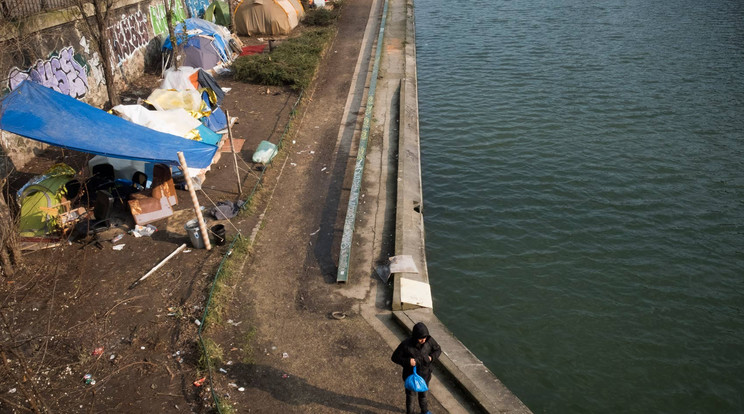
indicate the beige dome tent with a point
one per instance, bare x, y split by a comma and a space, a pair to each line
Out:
269, 17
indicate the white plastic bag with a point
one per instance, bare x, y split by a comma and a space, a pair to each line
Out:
264, 153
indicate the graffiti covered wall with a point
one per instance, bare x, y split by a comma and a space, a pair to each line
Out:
158, 17
60, 72
59, 53
197, 7
64, 57
127, 36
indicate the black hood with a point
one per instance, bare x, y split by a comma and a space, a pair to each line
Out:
420, 331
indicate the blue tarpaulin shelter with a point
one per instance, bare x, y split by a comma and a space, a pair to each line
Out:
42, 114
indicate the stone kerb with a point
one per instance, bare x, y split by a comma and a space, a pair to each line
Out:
410, 290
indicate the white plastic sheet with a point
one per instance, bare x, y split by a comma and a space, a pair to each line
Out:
173, 121
178, 79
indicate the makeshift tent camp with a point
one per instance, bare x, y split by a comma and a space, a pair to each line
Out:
206, 43
36, 112
218, 12
271, 17
40, 113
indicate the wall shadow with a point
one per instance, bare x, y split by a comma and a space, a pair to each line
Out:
294, 390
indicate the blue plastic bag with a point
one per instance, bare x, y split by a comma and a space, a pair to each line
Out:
416, 382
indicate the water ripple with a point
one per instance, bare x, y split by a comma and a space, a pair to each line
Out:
583, 178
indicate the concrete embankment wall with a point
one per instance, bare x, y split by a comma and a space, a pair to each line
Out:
411, 292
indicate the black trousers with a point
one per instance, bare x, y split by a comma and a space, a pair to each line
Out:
411, 401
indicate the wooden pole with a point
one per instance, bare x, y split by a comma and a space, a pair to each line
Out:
232, 148
195, 201
159, 265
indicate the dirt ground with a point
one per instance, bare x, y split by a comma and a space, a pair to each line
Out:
69, 301
70, 311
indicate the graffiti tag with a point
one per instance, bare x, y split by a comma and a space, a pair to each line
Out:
159, 20
127, 36
60, 72
197, 7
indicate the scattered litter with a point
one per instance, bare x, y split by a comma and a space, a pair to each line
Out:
197, 322
119, 246
98, 351
312, 152
293, 164
338, 315
315, 232
117, 238
144, 231
231, 322
223, 370
241, 389
172, 311
12, 391
293, 141
226, 90
285, 376
200, 382
88, 379
232, 384
142, 348
323, 169
228, 363
187, 251
112, 357
273, 348
285, 355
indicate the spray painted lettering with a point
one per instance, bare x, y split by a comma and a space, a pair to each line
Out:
197, 7
93, 67
127, 36
159, 20
60, 72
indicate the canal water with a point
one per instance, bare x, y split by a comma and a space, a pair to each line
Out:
583, 167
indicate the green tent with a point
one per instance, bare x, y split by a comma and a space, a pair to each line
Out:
218, 12
41, 201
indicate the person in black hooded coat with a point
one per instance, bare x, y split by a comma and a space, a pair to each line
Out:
419, 350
